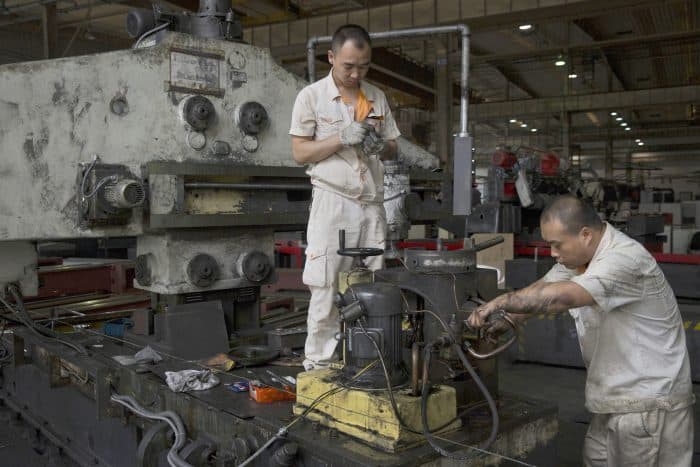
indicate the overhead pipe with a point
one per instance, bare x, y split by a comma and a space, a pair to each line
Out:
463, 29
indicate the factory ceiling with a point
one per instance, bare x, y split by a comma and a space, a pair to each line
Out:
540, 69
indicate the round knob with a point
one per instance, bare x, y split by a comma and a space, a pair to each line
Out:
252, 118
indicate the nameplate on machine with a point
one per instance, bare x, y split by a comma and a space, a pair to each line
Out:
195, 72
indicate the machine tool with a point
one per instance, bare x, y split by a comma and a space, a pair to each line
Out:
182, 143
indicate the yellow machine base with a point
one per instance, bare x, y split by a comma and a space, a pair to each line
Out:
369, 415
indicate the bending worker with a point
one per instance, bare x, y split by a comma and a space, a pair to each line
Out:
631, 334
341, 128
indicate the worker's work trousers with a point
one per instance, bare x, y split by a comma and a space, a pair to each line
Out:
365, 226
656, 438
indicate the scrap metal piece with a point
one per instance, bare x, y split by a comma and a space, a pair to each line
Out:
251, 355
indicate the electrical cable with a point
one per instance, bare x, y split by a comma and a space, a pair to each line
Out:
41, 331
283, 431
171, 418
5, 353
103, 181
495, 422
148, 33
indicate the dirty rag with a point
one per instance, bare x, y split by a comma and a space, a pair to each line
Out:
190, 380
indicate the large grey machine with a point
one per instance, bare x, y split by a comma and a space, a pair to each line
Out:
182, 143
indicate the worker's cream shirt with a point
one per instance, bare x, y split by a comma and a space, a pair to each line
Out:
319, 111
632, 340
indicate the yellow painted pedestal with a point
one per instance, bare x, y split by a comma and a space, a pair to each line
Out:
369, 415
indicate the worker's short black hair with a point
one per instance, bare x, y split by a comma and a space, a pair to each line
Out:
350, 32
573, 213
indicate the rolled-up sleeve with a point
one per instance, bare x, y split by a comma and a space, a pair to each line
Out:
613, 282
303, 115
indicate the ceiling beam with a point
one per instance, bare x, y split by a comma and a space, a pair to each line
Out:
589, 28
674, 133
549, 106
291, 36
509, 74
634, 41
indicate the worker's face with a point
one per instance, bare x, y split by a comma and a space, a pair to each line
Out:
571, 250
350, 64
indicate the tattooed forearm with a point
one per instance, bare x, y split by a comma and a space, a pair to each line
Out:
538, 298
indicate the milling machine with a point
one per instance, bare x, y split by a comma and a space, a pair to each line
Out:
182, 142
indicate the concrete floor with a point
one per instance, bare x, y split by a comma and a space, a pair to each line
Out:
565, 386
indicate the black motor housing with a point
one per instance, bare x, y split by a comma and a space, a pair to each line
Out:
380, 322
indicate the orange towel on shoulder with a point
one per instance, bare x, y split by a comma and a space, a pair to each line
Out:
362, 108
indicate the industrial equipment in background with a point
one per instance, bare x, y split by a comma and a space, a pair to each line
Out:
518, 186
182, 143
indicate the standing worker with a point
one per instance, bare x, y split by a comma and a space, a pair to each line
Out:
341, 128
631, 334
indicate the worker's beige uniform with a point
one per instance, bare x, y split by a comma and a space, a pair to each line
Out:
348, 194
633, 343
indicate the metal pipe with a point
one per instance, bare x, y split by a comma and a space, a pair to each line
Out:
415, 369
463, 29
250, 186
489, 243
501, 348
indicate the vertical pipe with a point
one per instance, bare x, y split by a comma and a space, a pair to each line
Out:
443, 103
464, 101
49, 27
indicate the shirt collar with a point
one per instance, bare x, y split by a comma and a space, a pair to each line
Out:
605, 241
333, 93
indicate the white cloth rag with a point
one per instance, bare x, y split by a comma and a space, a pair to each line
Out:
190, 380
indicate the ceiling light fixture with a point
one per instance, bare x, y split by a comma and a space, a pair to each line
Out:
623, 124
525, 27
523, 125
512, 120
619, 119
613, 113
560, 61
534, 130
641, 143
627, 128
637, 140
573, 76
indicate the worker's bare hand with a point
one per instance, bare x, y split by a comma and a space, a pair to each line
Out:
478, 318
495, 328
353, 134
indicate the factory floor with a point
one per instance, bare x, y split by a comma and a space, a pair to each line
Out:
565, 386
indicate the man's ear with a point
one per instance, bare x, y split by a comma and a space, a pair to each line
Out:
586, 235
330, 57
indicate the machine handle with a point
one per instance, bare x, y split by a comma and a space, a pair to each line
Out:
489, 243
500, 348
355, 252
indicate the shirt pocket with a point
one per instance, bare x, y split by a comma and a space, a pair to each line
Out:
329, 123
376, 119
316, 268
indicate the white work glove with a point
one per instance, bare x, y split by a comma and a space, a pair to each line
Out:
373, 143
353, 134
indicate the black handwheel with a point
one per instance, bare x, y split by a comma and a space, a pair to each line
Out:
355, 252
